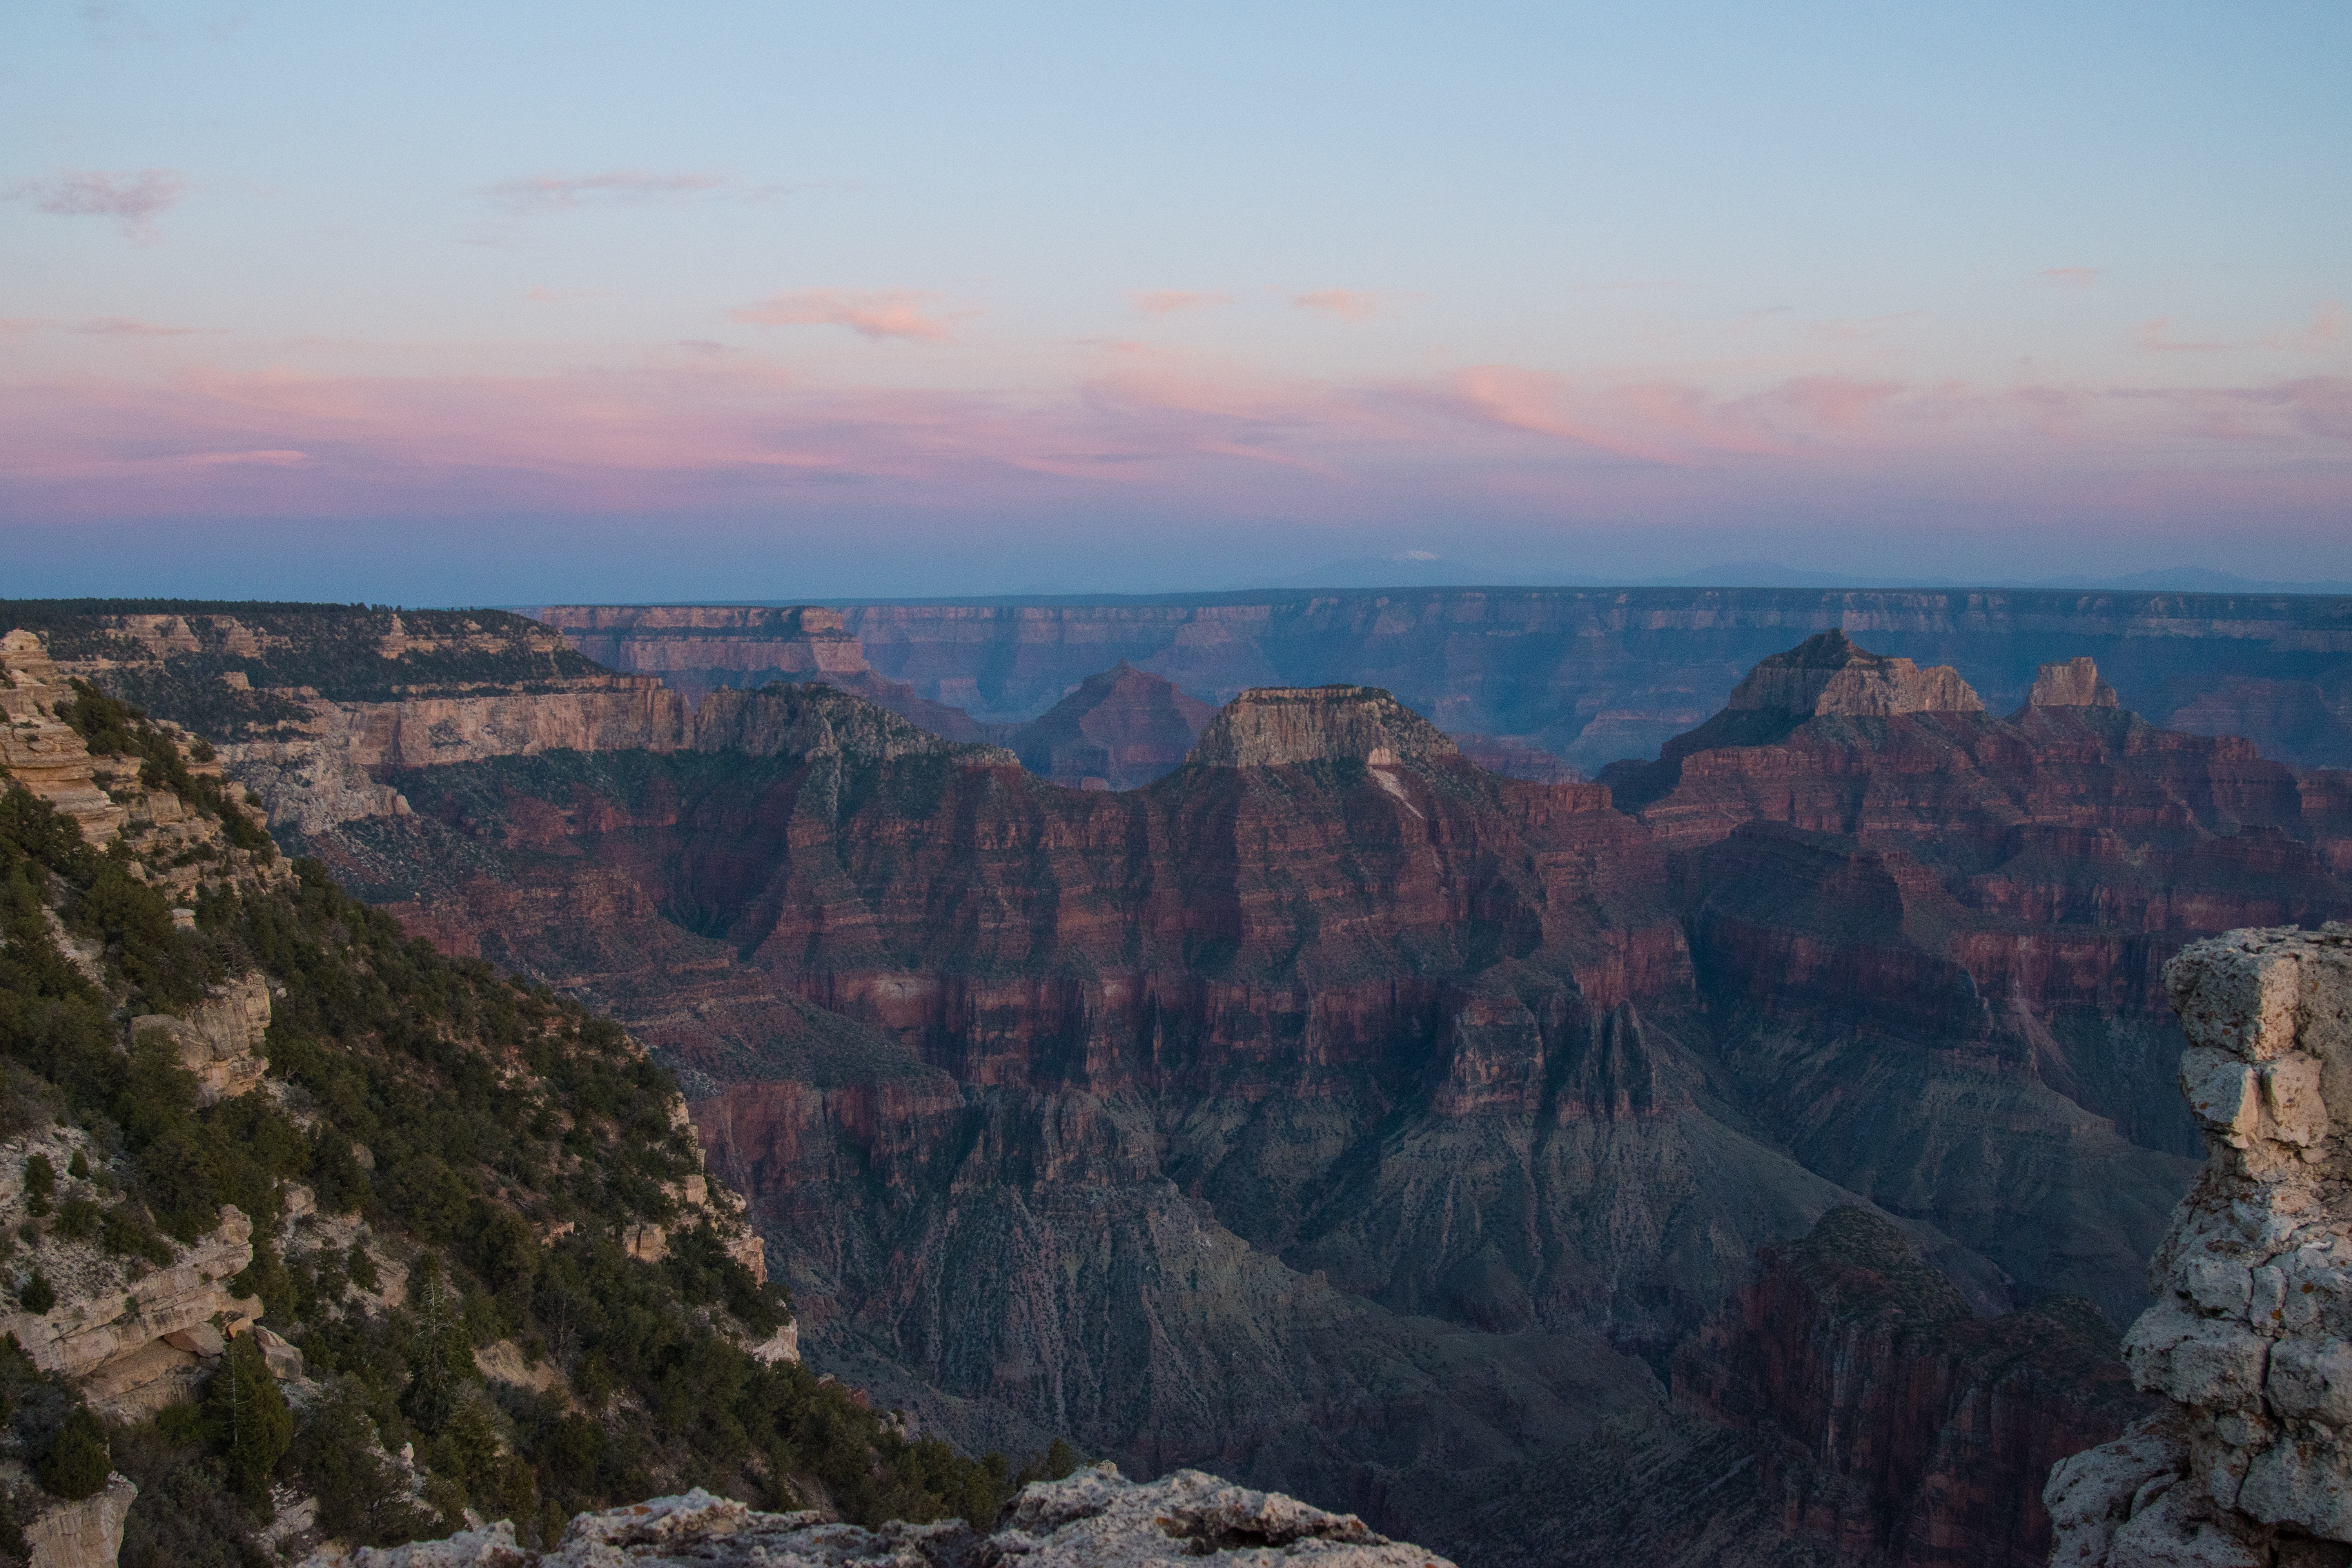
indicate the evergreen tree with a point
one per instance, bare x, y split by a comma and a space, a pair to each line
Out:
441, 1357
246, 1417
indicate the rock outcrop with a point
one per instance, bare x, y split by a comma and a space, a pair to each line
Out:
41, 751
1119, 730
1096, 1519
1284, 726
85, 1534
220, 1039
1828, 675
2074, 684
2251, 1338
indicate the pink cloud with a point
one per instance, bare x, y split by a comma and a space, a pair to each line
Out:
683, 431
1348, 304
132, 198
870, 313
2070, 277
1158, 302
561, 193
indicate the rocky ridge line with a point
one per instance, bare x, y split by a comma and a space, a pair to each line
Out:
1096, 1519
2250, 1469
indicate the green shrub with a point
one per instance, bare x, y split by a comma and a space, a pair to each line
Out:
75, 1464
40, 1183
35, 1294
78, 1219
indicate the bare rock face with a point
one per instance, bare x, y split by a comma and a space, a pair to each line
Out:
1281, 726
2249, 1335
85, 1534
2073, 684
1096, 1519
220, 1039
42, 751
1827, 674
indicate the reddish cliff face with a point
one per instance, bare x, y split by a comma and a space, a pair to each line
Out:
1119, 730
1894, 1428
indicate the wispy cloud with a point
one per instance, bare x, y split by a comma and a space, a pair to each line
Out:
2070, 277
1636, 286
269, 458
1348, 304
563, 193
129, 326
1158, 302
134, 198
875, 313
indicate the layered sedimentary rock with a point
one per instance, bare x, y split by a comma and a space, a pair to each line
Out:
1913, 925
1095, 1519
1119, 730
2073, 684
695, 649
2248, 1338
43, 753
1893, 1425
1279, 727
1334, 1113
1597, 674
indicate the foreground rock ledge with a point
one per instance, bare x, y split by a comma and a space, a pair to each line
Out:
1097, 1518
2251, 1337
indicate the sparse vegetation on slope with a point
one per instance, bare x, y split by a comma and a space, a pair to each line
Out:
445, 1168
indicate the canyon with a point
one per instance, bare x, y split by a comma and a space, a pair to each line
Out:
1589, 676
1477, 1153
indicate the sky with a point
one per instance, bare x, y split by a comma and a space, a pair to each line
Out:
520, 303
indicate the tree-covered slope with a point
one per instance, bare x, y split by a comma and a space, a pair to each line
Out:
477, 1214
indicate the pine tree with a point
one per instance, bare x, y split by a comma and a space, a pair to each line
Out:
246, 1417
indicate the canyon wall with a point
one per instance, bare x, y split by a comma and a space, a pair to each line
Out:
1333, 1056
1593, 675
1338, 1114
